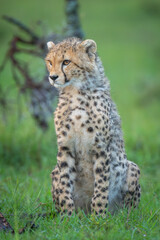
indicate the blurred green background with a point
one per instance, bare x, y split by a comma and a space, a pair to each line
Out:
128, 39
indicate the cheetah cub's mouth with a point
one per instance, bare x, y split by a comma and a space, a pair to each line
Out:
59, 85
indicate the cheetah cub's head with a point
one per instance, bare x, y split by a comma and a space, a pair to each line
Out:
71, 62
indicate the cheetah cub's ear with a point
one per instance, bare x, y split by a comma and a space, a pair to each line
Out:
90, 47
50, 45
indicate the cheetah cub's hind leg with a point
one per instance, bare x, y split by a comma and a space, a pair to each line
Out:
132, 198
55, 175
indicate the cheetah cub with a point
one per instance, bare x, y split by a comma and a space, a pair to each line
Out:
92, 171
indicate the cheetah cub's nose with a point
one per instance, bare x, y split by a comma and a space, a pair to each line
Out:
53, 77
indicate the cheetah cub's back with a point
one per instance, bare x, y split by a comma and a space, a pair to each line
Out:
92, 171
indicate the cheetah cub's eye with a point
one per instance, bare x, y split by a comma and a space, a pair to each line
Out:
66, 62
50, 63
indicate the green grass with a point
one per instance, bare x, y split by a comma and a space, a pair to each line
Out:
127, 34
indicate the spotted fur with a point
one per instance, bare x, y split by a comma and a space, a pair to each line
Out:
92, 171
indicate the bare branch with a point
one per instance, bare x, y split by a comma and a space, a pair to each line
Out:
21, 26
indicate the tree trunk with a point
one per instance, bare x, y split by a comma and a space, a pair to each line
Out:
72, 19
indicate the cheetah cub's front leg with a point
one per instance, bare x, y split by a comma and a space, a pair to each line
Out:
101, 170
55, 187
62, 191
